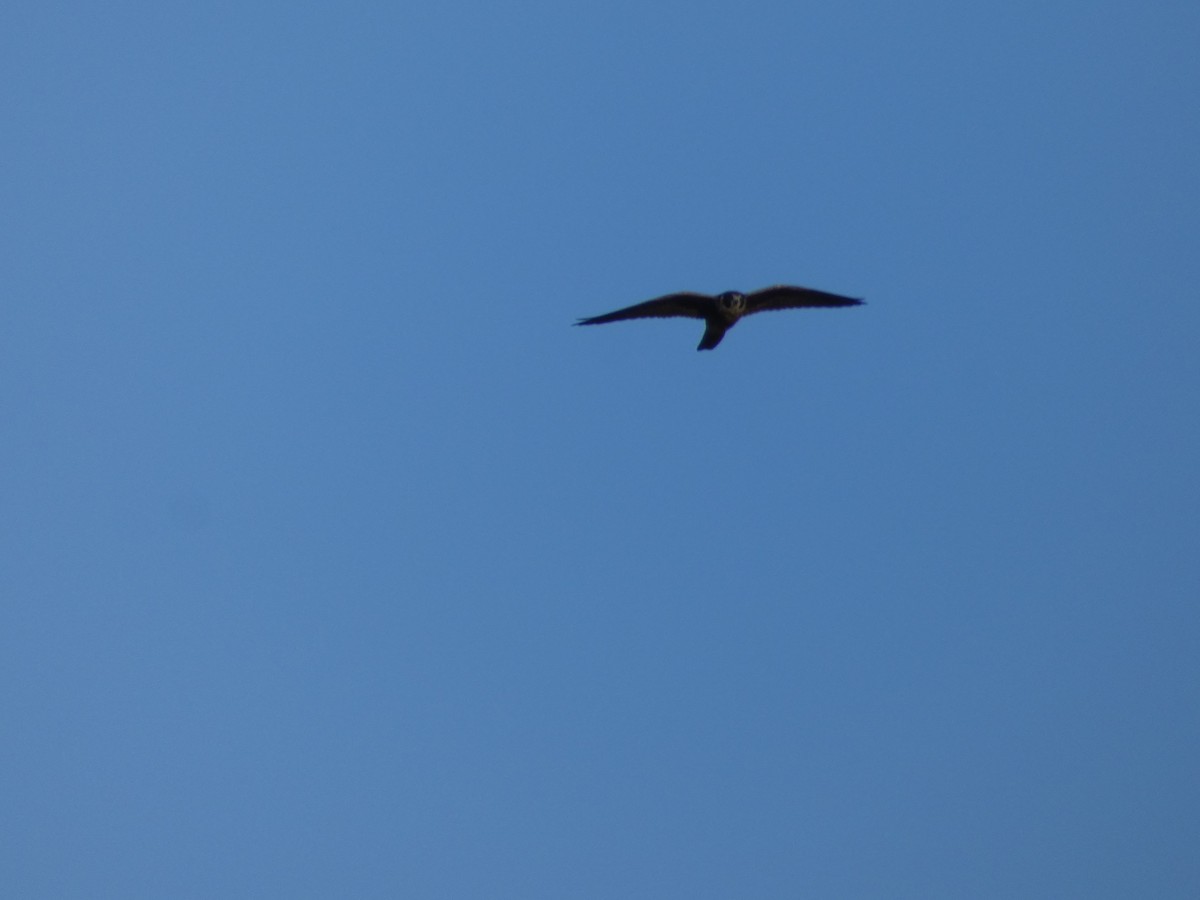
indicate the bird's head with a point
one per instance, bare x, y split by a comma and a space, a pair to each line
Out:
732, 303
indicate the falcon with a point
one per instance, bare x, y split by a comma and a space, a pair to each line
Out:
721, 312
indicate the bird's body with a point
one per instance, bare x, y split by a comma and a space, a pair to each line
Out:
721, 312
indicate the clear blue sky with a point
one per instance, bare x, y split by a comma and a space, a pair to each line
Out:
335, 563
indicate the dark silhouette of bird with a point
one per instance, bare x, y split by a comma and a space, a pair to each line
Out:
722, 311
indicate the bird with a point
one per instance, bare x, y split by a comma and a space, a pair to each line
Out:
721, 312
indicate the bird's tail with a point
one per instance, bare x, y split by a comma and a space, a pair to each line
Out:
713, 332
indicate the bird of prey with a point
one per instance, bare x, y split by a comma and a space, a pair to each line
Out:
722, 311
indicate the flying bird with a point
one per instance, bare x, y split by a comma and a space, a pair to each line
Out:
721, 312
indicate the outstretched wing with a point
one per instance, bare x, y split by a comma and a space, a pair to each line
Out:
782, 296
694, 306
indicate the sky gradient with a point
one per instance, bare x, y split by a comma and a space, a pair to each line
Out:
334, 562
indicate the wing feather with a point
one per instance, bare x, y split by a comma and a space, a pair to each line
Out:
693, 306
782, 296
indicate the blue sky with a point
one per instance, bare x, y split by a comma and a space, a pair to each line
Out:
336, 563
